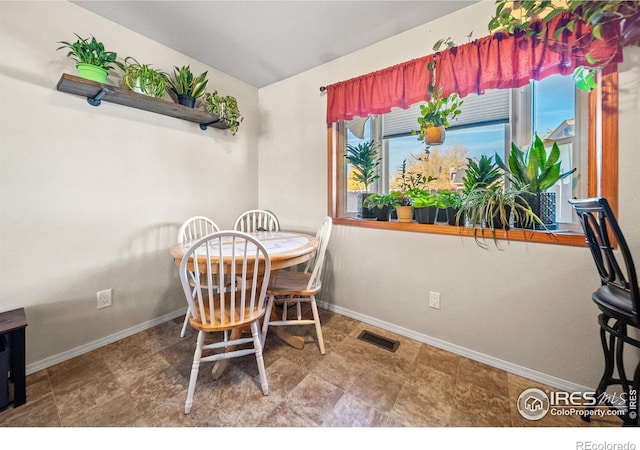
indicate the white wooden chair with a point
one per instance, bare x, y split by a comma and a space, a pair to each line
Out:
257, 220
229, 310
191, 230
288, 288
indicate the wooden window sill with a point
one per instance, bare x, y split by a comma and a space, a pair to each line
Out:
543, 237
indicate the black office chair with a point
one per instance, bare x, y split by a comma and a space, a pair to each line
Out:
618, 299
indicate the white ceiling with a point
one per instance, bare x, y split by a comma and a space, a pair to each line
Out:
262, 42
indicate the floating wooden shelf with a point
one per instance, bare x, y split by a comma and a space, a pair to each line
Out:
97, 92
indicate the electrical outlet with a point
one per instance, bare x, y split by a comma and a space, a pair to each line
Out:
104, 298
434, 300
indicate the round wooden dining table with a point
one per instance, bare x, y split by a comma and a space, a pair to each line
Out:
286, 249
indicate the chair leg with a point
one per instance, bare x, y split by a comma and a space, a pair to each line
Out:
316, 319
608, 349
267, 316
186, 322
257, 343
194, 372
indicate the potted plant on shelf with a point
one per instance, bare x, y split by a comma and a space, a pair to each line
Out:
141, 78
364, 160
382, 204
92, 60
187, 87
226, 109
533, 173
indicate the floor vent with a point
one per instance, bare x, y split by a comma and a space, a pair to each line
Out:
380, 341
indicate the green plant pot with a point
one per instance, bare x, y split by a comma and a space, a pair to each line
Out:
91, 72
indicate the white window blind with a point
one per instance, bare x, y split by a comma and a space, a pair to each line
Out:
492, 106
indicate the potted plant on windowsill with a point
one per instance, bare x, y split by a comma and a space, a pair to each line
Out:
364, 160
382, 204
403, 206
492, 208
92, 60
478, 174
186, 87
450, 201
226, 109
532, 173
141, 78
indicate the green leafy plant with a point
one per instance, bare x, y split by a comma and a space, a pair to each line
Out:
512, 16
401, 199
226, 108
533, 170
183, 82
379, 201
141, 76
492, 208
91, 52
365, 161
438, 111
448, 199
422, 199
481, 173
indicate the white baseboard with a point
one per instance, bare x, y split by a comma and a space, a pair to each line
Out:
507, 366
61, 357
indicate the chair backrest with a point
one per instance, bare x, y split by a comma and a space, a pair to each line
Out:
316, 263
236, 256
597, 220
195, 228
257, 220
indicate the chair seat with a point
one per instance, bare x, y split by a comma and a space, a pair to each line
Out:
616, 302
290, 283
226, 323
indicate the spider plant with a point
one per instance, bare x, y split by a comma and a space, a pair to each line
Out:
144, 79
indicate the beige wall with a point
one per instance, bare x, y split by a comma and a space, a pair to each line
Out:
91, 198
526, 307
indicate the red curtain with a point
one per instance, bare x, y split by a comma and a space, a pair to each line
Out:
377, 92
498, 61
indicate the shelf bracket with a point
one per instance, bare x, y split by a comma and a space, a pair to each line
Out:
203, 126
97, 99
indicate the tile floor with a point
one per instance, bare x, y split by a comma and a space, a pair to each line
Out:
141, 381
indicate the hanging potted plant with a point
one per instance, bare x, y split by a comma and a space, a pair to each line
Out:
186, 87
533, 173
226, 109
92, 60
435, 117
141, 78
364, 161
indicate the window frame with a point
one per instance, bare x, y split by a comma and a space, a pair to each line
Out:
602, 137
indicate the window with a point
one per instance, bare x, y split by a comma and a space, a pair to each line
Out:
552, 108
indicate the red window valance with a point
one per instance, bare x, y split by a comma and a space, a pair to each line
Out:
501, 61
